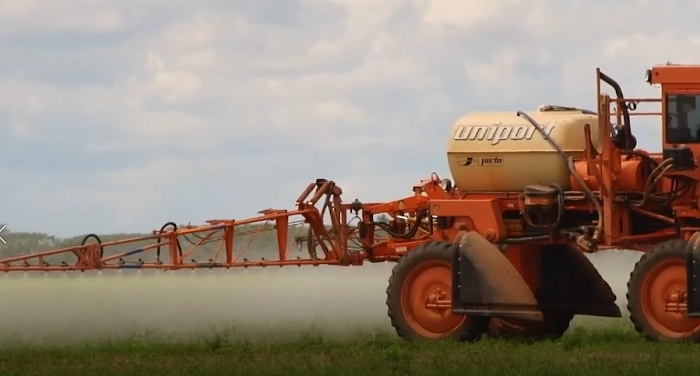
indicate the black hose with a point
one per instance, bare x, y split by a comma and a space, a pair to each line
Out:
99, 241
158, 239
572, 169
642, 155
544, 134
680, 185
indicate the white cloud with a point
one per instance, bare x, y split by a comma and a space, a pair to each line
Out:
39, 16
173, 87
465, 15
120, 116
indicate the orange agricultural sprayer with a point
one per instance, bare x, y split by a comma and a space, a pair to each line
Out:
499, 248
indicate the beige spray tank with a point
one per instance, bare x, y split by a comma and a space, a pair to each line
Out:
501, 151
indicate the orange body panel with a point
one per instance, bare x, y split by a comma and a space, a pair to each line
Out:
674, 74
630, 178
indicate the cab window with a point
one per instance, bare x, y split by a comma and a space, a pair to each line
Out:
682, 119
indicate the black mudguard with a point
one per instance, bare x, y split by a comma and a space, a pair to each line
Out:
693, 275
485, 283
569, 282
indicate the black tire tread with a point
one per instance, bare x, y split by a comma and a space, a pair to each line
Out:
675, 248
554, 327
471, 329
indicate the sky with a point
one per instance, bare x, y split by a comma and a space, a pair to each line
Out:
118, 116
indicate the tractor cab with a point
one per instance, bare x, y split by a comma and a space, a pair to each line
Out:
680, 110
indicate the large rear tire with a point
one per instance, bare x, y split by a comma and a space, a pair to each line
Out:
660, 274
421, 275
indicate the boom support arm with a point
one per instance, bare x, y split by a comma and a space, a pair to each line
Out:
229, 243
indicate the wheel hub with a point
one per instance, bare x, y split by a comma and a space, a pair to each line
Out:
426, 300
438, 301
677, 301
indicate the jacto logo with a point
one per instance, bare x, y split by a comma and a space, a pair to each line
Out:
480, 161
497, 132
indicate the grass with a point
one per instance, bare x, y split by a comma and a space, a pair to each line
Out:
602, 350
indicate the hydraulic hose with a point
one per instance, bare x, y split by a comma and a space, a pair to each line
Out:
572, 169
653, 178
99, 241
158, 239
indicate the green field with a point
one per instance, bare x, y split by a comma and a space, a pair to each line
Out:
594, 350
305, 321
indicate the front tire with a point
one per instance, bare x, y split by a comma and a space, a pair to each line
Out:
421, 275
660, 274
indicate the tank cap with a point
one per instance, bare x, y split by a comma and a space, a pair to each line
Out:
551, 107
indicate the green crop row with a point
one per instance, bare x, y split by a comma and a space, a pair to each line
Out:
598, 350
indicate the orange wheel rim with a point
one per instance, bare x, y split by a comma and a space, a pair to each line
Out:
423, 284
666, 278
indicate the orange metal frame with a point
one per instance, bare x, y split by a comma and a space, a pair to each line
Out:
607, 167
673, 79
333, 240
